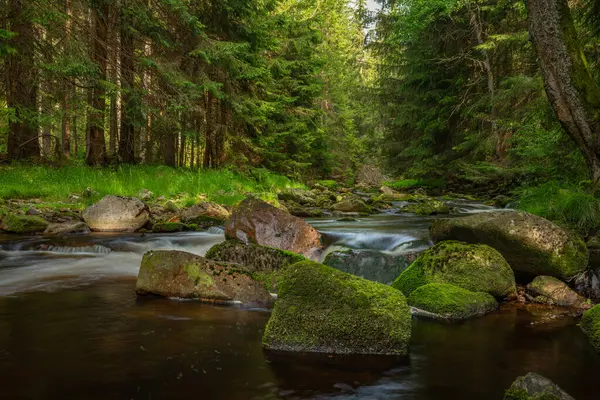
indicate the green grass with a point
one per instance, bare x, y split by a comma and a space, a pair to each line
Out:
56, 184
566, 204
406, 184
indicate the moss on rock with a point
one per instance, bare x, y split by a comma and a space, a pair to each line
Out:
477, 268
532, 245
430, 207
168, 227
263, 262
23, 224
451, 302
535, 387
324, 310
590, 323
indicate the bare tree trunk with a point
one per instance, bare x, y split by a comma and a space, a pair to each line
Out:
96, 151
114, 79
129, 104
21, 85
66, 100
571, 89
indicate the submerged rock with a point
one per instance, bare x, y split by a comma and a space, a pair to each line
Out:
370, 264
531, 245
551, 291
263, 262
535, 387
254, 221
23, 224
478, 268
186, 275
66, 228
205, 214
352, 204
116, 214
444, 301
324, 310
590, 323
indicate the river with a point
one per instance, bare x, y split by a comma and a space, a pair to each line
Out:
71, 326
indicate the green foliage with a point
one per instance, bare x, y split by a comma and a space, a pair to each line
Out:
221, 186
405, 184
567, 204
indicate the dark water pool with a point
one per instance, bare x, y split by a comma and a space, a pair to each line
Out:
99, 341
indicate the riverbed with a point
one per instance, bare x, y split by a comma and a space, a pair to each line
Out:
71, 326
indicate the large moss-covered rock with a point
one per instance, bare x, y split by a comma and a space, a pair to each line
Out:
446, 301
590, 323
535, 387
532, 245
554, 292
254, 221
116, 214
324, 310
299, 196
429, 207
370, 264
186, 275
263, 262
477, 268
23, 224
352, 204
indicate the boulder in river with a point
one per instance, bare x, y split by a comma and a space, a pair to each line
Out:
67, 228
370, 264
352, 204
535, 387
427, 207
323, 310
205, 214
532, 245
254, 221
263, 262
554, 292
449, 302
478, 268
185, 275
299, 196
116, 214
590, 323
169, 227
23, 224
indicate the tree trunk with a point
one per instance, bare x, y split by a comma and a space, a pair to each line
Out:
96, 151
21, 86
129, 106
571, 89
66, 100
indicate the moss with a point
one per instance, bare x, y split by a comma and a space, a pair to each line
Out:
321, 309
451, 302
590, 323
534, 387
431, 207
167, 227
329, 184
477, 268
23, 224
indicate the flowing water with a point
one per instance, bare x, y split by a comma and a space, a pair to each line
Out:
72, 327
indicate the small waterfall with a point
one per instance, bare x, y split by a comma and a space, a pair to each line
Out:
96, 249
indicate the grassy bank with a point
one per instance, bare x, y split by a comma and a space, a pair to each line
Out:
57, 184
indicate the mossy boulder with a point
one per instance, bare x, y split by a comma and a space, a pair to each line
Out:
262, 262
429, 207
478, 268
169, 227
299, 196
323, 310
554, 292
23, 224
302, 211
205, 214
370, 264
254, 221
444, 301
532, 245
352, 204
535, 387
590, 323
185, 275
